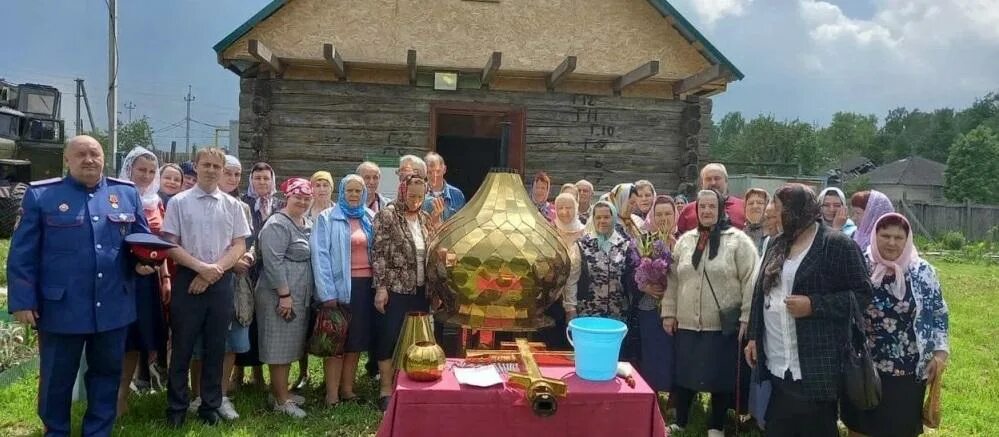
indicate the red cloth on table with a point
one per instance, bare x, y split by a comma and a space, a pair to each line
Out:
444, 408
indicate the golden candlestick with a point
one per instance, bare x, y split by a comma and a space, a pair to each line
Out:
541, 392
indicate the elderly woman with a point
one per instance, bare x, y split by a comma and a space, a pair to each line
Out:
148, 331
868, 207
622, 196
570, 230
607, 268
756, 204
645, 195
657, 361
399, 257
341, 260
571, 189
801, 302
322, 193
540, 189
832, 205
712, 273
171, 181
907, 326
284, 290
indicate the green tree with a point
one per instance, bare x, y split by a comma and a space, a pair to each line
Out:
851, 134
973, 167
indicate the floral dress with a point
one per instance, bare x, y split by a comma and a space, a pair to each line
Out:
890, 332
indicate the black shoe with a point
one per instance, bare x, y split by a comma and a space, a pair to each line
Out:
175, 420
210, 418
383, 403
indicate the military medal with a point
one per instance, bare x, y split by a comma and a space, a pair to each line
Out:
63, 207
114, 201
122, 217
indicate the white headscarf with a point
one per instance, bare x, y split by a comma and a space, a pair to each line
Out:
150, 195
574, 229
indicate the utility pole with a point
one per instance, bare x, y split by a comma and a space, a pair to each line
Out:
86, 101
113, 85
130, 106
79, 118
189, 98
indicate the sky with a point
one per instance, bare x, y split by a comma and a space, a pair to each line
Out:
803, 59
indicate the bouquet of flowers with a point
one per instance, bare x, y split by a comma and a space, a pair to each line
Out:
654, 262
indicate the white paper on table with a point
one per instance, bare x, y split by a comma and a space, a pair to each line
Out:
485, 376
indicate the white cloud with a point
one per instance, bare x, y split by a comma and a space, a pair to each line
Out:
829, 24
713, 10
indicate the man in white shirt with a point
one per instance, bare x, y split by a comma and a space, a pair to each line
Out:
210, 229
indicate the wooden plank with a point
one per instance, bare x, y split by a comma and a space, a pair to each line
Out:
411, 65
263, 54
639, 74
492, 67
333, 58
700, 79
562, 72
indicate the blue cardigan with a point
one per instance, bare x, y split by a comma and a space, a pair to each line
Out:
330, 243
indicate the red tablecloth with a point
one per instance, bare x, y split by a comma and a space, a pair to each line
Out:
444, 408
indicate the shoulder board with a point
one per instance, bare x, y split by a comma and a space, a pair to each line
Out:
120, 181
45, 182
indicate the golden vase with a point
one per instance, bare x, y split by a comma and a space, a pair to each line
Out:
424, 361
497, 264
417, 327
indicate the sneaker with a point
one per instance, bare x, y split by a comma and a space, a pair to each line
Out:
157, 378
227, 411
674, 428
195, 404
716, 433
290, 408
297, 399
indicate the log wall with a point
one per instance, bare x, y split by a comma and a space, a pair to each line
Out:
304, 126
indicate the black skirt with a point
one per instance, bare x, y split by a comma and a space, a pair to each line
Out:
391, 322
899, 414
360, 332
148, 331
706, 361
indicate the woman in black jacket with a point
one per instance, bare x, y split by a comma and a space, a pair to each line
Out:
797, 326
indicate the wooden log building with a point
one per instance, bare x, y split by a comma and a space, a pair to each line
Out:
607, 90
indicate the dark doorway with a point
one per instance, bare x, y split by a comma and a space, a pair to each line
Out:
468, 160
468, 137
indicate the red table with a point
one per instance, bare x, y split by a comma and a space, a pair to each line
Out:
445, 408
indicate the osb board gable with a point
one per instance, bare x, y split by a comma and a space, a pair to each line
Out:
609, 37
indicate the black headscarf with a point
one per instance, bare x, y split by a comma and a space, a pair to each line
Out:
800, 210
710, 236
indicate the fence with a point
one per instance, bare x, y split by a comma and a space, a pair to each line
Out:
933, 219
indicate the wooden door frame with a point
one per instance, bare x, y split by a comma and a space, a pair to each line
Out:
516, 114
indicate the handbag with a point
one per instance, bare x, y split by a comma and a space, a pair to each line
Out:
728, 317
931, 408
329, 331
243, 300
860, 378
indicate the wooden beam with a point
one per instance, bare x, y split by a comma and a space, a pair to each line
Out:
263, 54
492, 67
639, 74
333, 58
411, 63
562, 72
700, 79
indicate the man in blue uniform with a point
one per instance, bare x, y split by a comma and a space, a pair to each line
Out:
71, 277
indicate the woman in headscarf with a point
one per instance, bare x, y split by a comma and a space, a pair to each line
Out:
341, 242
712, 272
801, 301
607, 268
570, 230
402, 234
264, 201
322, 189
657, 358
832, 205
907, 329
148, 331
868, 207
284, 291
171, 181
756, 205
645, 196
540, 189
629, 224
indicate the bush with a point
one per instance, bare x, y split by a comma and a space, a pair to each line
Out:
953, 240
17, 344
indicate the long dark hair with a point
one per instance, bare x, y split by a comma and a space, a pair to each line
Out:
800, 210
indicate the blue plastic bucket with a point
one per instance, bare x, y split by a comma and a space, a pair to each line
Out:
597, 342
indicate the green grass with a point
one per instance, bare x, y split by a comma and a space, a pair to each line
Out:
4, 248
970, 392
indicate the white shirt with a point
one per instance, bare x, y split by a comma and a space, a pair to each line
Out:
421, 248
205, 223
781, 342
